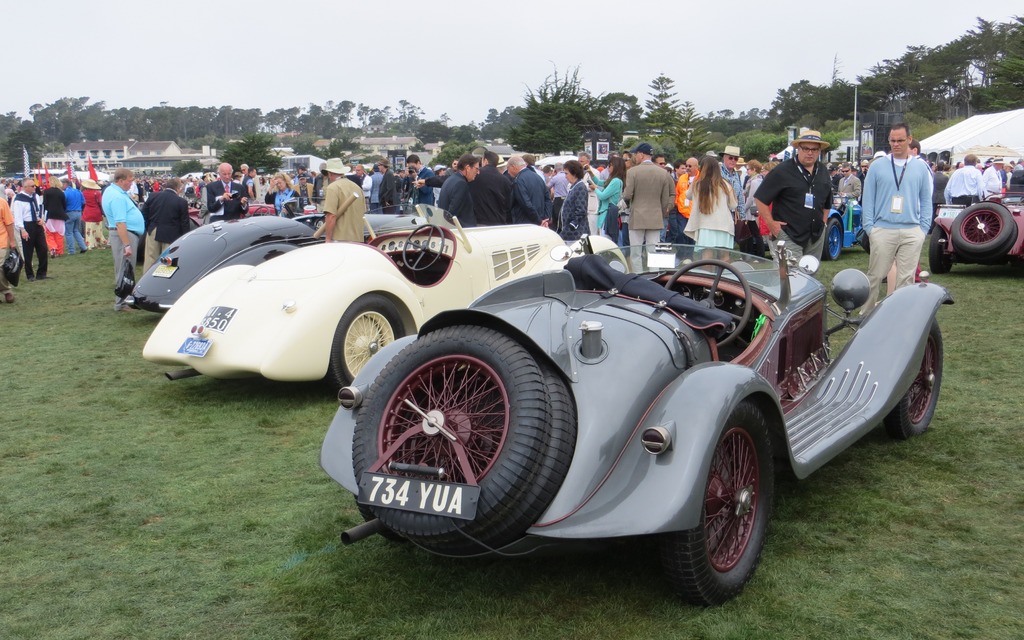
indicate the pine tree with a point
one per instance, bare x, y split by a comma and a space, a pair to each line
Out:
690, 132
663, 107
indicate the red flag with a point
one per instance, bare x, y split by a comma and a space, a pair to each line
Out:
46, 184
71, 173
92, 170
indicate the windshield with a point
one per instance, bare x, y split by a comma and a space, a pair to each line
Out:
762, 274
435, 215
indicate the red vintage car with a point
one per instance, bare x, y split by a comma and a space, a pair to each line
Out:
989, 232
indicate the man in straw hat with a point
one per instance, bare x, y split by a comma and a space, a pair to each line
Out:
799, 194
730, 160
344, 205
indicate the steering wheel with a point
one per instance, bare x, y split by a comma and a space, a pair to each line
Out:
426, 256
720, 267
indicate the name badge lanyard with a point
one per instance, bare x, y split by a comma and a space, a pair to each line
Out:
897, 200
809, 179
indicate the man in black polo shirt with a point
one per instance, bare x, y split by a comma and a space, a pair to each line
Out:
799, 192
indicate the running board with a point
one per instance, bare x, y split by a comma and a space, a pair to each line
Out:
826, 424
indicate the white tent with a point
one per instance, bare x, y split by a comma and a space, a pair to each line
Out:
553, 160
80, 175
1005, 129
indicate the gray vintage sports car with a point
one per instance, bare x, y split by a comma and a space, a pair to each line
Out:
634, 393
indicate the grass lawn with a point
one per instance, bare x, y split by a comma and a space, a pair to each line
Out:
136, 507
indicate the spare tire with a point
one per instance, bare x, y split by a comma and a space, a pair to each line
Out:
984, 231
511, 429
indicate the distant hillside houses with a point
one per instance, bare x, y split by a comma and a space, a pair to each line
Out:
380, 146
141, 157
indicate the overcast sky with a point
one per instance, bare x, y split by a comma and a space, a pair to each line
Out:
454, 57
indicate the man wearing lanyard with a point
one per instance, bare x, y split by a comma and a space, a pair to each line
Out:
896, 212
795, 198
126, 226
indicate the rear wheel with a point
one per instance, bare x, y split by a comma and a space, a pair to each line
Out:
913, 414
511, 430
833, 240
711, 563
939, 260
370, 323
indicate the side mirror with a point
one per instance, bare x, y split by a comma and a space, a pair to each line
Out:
809, 265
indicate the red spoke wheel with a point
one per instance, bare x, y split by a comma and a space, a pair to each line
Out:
914, 412
497, 419
712, 562
472, 400
730, 509
984, 231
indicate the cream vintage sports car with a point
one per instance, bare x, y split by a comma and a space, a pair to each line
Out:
324, 310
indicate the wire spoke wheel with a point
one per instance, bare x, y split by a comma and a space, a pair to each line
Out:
474, 402
368, 325
981, 227
920, 393
712, 562
471, 401
913, 414
730, 504
984, 231
367, 334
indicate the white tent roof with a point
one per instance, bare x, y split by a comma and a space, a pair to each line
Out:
1006, 129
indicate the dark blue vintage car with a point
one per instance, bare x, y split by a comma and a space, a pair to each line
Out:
249, 241
637, 392
843, 227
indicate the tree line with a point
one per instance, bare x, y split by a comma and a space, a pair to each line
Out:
980, 72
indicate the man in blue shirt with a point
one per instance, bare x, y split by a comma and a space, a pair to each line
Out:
126, 226
74, 202
896, 214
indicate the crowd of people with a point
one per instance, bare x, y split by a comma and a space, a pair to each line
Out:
637, 197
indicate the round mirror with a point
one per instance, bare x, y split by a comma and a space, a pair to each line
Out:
809, 264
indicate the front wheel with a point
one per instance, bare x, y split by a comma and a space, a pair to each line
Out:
369, 324
833, 240
711, 563
913, 414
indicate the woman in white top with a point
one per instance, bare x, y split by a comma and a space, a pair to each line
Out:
712, 222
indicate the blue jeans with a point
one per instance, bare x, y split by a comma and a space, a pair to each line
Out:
676, 226
73, 233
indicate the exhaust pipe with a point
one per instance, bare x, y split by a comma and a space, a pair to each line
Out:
182, 373
358, 532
